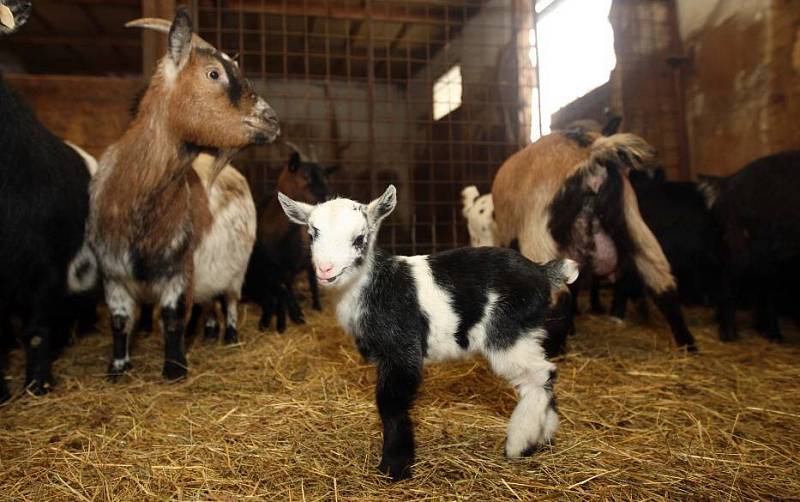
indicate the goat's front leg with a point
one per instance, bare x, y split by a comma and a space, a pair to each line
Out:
230, 305
313, 286
173, 318
295, 313
398, 382
121, 306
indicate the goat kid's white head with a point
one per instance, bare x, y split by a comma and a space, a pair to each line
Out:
202, 90
343, 233
13, 14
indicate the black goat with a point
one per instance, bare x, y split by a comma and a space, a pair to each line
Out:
677, 214
759, 216
44, 202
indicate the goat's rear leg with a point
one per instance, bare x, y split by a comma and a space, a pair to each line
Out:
396, 389
767, 320
121, 308
534, 421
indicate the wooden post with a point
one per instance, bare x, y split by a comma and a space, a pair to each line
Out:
154, 45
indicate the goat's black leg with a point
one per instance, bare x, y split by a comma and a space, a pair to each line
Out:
594, 296
173, 317
5, 331
669, 305
313, 286
280, 309
396, 390
267, 303
767, 321
38, 373
295, 313
145, 323
726, 309
559, 324
619, 302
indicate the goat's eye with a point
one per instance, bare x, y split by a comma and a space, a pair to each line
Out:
213, 75
358, 241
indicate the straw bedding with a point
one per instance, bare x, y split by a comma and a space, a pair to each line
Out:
291, 417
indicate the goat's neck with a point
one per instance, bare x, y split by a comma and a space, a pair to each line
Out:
152, 154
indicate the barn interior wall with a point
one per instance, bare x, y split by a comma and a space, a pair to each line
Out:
742, 80
92, 112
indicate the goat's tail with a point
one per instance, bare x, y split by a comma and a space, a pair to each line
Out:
82, 274
562, 271
625, 150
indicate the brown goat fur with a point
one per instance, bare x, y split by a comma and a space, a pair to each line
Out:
150, 210
568, 194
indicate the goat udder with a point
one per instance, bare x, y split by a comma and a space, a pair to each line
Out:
604, 256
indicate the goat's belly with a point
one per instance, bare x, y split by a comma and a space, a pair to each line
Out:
220, 261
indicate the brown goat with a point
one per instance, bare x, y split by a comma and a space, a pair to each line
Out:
150, 209
568, 195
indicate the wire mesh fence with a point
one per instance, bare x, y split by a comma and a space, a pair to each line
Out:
355, 79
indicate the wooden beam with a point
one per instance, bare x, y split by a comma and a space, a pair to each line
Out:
351, 12
154, 45
74, 41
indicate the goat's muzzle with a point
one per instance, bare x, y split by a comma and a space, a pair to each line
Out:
265, 123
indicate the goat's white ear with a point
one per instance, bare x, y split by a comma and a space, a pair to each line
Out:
381, 207
180, 37
468, 197
298, 212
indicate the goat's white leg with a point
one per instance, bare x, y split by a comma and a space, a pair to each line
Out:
534, 421
231, 305
121, 306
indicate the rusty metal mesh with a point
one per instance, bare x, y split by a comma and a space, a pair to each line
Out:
354, 81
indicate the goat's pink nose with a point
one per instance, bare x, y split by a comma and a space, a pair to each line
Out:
324, 270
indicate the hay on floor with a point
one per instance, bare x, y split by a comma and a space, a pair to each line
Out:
291, 417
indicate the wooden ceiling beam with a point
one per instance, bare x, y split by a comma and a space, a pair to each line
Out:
73, 41
351, 12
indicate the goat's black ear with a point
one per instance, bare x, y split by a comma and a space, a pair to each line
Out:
294, 162
328, 170
180, 37
612, 126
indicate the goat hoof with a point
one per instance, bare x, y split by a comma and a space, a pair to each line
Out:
210, 333
174, 371
317, 306
299, 320
40, 386
117, 368
728, 336
231, 336
398, 469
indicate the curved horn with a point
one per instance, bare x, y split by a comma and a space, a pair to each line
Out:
162, 25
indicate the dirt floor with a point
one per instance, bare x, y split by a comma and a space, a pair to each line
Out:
291, 417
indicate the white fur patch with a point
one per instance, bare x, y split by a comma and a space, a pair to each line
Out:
436, 304
480, 221
533, 421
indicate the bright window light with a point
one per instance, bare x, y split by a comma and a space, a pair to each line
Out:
447, 93
576, 54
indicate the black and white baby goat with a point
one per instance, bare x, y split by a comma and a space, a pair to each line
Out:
404, 311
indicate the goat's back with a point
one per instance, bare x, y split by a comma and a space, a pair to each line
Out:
527, 182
